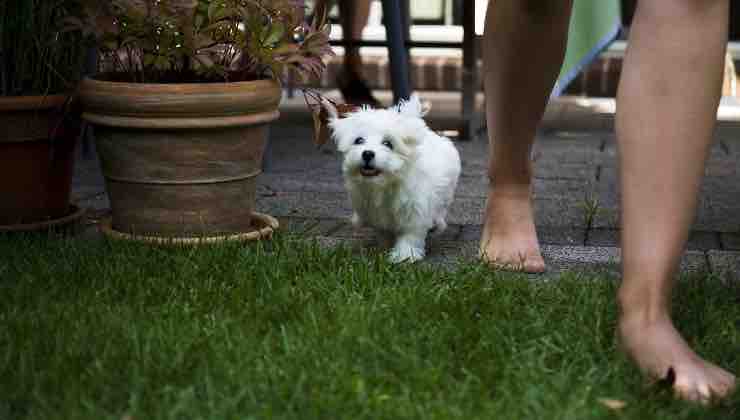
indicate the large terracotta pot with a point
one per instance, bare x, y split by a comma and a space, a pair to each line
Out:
180, 160
37, 143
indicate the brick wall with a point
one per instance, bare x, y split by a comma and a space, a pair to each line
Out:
445, 74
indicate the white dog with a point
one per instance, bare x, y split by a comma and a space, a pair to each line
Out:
401, 176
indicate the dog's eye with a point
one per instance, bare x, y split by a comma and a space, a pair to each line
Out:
388, 144
359, 140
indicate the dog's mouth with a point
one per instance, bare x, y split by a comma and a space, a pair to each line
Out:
369, 171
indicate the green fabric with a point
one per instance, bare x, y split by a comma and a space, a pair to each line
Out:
594, 24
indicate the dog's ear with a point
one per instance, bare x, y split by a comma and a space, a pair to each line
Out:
329, 120
413, 107
341, 133
410, 141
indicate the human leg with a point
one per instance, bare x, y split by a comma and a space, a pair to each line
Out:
524, 45
353, 16
667, 102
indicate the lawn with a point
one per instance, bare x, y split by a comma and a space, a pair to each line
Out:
290, 330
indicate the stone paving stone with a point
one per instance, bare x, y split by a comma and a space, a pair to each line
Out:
730, 241
452, 254
290, 149
452, 233
88, 179
610, 156
733, 146
472, 187
88, 184
548, 212
302, 187
723, 197
547, 235
603, 237
707, 219
698, 240
444, 253
449, 255
585, 150
302, 182
729, 136
473, 172
542, 188
580, 258
722, 189
358, 246
97, 202
720, 218
473, 153
607, 193
564, 258
570, 189
309, 226
577, 117
718, 151
725, 264
561, 259
725, 167
348, 231
721, 161
548, 169
559, 212
306, 205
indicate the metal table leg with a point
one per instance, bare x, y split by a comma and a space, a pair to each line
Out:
397, 54
469, 73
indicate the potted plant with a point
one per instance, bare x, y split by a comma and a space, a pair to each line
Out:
180, 107
40, 68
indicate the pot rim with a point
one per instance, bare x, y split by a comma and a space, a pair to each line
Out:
180, 105
176, 87
31, 102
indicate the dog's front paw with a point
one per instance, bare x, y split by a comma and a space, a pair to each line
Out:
405, 254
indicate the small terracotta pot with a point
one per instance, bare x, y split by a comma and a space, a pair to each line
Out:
37, 145
181, 159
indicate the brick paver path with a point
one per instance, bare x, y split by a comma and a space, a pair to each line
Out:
576, 197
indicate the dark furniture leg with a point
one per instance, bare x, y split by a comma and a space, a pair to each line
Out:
397, 54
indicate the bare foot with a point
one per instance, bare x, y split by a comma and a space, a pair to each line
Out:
662, 354
509, 239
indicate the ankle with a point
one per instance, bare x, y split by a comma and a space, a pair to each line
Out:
511, 177
510, 188
642, 307
353, 66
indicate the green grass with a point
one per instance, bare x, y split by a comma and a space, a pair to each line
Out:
114, 330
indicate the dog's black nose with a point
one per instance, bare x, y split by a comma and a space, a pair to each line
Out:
368, 155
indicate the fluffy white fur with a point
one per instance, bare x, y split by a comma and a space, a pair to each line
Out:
401, 176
